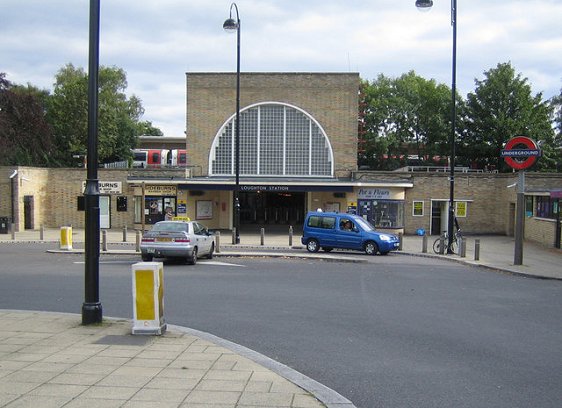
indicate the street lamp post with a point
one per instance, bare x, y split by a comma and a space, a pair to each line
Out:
91, 308
425, 4
230, 25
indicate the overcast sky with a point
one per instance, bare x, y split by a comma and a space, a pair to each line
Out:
156, 42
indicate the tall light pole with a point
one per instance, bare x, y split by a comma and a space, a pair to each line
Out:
91, 308
230, 25
425, 4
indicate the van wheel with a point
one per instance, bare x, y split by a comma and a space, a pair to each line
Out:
371, 248
312, 245
146, 258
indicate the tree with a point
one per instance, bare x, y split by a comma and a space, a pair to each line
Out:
556, 104
145, 128
118, 124
25, 135
501, 107
404, 116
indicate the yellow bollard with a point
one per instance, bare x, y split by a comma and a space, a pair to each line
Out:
65, 237
148, 298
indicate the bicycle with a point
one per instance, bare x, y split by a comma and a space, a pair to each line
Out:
453, 247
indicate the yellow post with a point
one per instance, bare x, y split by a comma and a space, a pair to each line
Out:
148, 298
65, 237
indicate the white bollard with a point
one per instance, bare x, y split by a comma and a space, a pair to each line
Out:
148, 298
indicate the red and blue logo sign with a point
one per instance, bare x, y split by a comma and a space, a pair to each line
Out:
521, 152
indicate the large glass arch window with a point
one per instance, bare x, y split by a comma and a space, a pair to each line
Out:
275, 140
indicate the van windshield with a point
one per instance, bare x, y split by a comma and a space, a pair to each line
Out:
365, 225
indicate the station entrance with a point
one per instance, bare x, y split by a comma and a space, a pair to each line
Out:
272, 208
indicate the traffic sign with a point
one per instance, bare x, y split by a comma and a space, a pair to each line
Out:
520, 152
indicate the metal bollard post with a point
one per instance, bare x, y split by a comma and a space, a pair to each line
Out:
290, 235
262, 236
41, 232
233, 236
424, 244
218, 241
441, 245
138, 241
476, 249
13, 230
125, 233
462, 247
400, 241
104, 240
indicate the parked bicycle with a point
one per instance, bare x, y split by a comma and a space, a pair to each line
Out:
454, 246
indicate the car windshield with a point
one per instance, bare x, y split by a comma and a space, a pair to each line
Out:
364, 224
170, 226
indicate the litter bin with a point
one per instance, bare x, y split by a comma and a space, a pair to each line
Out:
3, 225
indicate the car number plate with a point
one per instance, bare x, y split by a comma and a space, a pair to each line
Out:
163, 239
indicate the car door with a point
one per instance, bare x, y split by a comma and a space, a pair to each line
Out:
202, 238
348, 234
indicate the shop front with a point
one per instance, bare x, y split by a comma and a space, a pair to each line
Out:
382, 207
155, 203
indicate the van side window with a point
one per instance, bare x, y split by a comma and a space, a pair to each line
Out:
346, 224
321, 222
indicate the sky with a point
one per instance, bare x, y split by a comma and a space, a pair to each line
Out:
157, 42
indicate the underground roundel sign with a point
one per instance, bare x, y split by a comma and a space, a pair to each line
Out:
520, 152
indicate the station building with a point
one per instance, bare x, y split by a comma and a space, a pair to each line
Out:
298, 152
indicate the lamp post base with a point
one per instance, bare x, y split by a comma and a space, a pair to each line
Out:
91, 313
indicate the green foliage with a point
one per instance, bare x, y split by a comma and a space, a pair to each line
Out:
502, 107
25, 136
145, 128
118, 123
403, 116
556, 104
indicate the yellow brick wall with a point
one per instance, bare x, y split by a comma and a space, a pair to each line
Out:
331, 99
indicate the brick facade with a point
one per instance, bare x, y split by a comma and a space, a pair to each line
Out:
331, 99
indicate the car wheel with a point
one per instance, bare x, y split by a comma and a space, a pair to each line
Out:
146, 258
211, 251
312, 245
371, 248
192, 260
327, 249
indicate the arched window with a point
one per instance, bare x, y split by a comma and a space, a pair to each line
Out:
275, 140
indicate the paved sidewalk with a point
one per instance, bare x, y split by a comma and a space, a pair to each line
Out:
52, 360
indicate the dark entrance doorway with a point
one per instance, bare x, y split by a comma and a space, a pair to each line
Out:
28, 206
435, 218
265, 208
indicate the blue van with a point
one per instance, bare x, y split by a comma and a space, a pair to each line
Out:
328, 230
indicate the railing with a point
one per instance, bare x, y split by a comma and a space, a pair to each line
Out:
443, 169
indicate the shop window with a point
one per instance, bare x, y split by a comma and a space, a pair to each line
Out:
383, 213
138, 209
545, 207
529, 206
417, 209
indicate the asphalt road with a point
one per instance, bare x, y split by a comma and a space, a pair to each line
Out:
398, 331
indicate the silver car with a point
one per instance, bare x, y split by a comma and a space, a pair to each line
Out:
177, 239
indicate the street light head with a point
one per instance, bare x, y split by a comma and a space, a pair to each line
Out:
424, 5
230, 25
